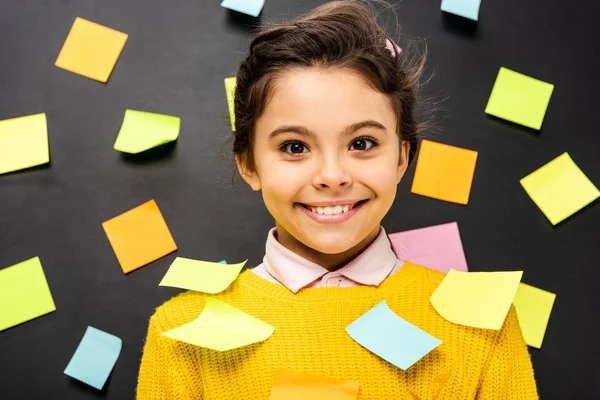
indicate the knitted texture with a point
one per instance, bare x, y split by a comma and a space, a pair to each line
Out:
310, 337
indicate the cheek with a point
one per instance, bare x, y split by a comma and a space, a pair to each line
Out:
281, 184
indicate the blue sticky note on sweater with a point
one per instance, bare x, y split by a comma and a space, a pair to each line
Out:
392, 338
94, 358
464, 8
250, 7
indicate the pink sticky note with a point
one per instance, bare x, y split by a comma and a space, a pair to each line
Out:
436, 247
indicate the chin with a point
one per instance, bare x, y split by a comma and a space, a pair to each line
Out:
331, 244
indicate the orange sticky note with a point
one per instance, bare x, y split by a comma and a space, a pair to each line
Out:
139, 236
91, 50
293, 385
444, 172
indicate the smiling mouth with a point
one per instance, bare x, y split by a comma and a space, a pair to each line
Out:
332, 210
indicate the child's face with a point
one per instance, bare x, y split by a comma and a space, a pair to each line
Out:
305, 157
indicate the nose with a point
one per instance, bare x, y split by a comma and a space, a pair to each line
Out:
332, 173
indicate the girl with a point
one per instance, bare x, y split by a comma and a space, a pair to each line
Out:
325, 129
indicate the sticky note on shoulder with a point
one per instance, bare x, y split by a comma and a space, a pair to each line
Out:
142, 131
23, 143
139, 236
463, 8
91, 50
519, 98
477, 299
24, 293
560, 188
230, 84
249, 7
295, 385
94, 358
533, 307
201, 276
392, 338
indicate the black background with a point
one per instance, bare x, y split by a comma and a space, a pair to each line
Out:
174, 62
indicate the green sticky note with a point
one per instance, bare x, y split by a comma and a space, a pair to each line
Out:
222, 327
560, 188
230, 84
533, 308
24, 293
519, 98
23, 143
142, 131
202, 276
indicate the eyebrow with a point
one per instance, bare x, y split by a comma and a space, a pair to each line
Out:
306, 132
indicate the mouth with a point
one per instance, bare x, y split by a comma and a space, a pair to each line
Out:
333, 210
331, 214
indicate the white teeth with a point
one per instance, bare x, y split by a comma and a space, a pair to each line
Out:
331, 210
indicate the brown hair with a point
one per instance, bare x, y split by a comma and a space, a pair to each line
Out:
338, 34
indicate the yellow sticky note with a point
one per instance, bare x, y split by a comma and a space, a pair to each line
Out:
201, 276
139, 236
477, 299
294, 385
533, 307
230, 84
23, 143
91, 50
222, 327
24, 293
444, 172
560, 188
519, 98
142, 131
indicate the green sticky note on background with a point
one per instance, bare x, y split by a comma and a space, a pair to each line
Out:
222, 327
477, 299
24, 293
230, 84
560, 188
142, 131
533, 307
202, 276
519, 98
23, 143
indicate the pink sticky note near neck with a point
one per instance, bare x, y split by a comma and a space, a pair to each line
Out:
436, 247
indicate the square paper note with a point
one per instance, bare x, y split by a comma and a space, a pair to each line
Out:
250, 7
24, 293
560, 188
142, 131
91, 50
519, 98
230, 84
94, 358
23, 143
139, 236
533, 307
464, 8
444, 172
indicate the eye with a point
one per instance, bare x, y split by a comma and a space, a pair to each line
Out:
294, 148
362, 144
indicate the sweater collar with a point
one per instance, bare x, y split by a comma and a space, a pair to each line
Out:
370, 267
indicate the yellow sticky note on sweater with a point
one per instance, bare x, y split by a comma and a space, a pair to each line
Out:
201, 276
477, 299
533, 307
230, 84
294, 385
23, 143
222, 327
560, 188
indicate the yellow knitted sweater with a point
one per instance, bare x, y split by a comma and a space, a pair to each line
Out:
310, 337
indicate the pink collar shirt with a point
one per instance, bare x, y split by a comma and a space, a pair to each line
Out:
283, 266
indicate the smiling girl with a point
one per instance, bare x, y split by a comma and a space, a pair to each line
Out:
325, 129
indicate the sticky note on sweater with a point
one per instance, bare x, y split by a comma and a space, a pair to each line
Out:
533, 307
294, 385
201, 276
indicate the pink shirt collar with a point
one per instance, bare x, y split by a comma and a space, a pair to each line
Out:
370, 267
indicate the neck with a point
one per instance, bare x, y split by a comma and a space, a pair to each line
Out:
330, 262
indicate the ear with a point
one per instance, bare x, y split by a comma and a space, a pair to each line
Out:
250, 176
403, 160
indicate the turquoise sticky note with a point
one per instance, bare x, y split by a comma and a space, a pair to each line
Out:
392, 338
94, 358
250, 7
463, 8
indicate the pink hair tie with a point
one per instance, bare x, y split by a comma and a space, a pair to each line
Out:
392, 47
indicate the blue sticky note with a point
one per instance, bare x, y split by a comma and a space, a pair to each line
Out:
223, 262
392, 338
464, 8
250, 7
95, 357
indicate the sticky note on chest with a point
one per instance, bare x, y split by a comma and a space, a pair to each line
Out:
295, 385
